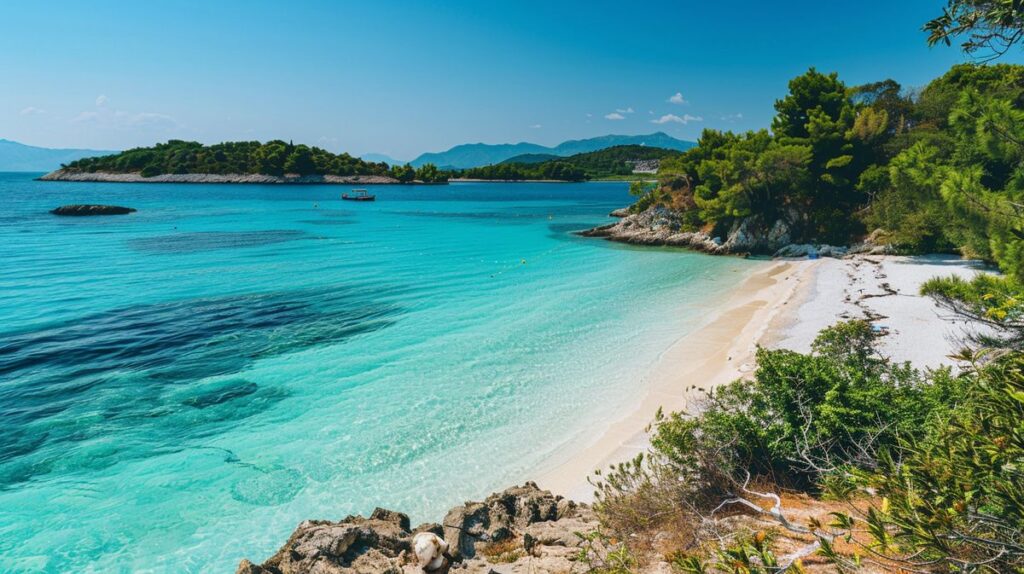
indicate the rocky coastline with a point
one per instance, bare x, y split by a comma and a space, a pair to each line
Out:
521, 530
753, 235
104, 177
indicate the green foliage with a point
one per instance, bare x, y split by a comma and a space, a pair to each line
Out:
403, 173
608, 162
646, 194
809, 95
749, 555
956, 496
551, 170
803, 415
989, 27
997, 302
808, 171
272, 158
942, 456
616, 160
910, 205
940, 171
428, 173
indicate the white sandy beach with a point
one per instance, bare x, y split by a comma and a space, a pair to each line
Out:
783, 305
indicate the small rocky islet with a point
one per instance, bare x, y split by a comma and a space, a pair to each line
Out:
85, 209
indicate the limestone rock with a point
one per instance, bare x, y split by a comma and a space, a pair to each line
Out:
535, 531
497, 518
86, 209
355, 545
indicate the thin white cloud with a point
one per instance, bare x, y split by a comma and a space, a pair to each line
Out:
672, 118
624, 111
105, 117
536, 126
732, 117
32, 111
85, 117
614, 116
677, 99
149, 119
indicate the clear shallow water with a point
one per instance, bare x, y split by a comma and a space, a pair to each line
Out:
180, 387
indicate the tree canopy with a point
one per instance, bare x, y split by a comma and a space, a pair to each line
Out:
989, 28
274, 157
941, 169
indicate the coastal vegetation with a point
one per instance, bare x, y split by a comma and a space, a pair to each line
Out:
923, 468
274, 158
920, 471
938, 170
606, 163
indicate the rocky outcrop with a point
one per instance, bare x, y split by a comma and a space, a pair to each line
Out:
751, 235
655, 226
521, 530
873, 244
101, 177
84, 209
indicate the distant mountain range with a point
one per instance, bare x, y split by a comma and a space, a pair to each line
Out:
476, 155
16, 156
380, 157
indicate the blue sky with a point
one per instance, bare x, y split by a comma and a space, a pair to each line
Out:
406, 77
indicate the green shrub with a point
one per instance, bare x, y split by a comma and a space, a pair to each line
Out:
956, 495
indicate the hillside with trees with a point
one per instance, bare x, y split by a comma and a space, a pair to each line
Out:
936, 170
604, 163
274, 158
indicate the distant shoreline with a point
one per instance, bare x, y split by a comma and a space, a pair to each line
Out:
200, 178
471, 180
255, 178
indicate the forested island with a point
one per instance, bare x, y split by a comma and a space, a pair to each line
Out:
275, 161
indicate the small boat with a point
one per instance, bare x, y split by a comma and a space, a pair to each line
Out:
358, 195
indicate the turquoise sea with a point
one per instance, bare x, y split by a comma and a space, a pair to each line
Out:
180, 387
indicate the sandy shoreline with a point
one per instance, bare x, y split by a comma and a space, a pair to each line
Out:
783, 305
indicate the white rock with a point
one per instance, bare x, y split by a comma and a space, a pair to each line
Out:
429, 549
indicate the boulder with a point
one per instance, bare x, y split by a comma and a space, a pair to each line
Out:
540, 525
84, 209
353, 546
874, 244
499, 517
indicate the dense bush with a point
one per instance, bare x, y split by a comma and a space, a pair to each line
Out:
942, 457
954, 497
